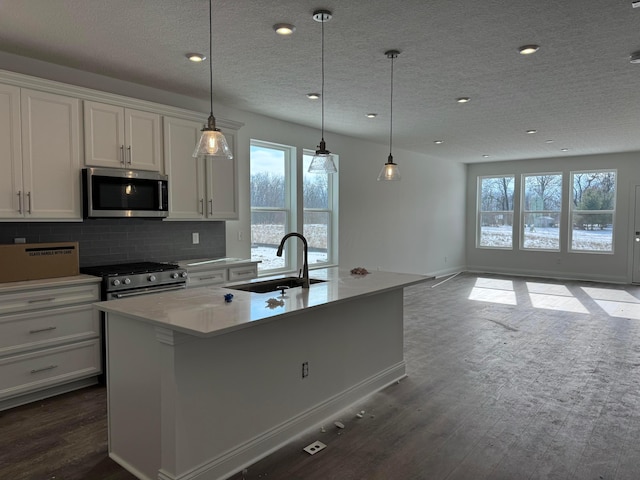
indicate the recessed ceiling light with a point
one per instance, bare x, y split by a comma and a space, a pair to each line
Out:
371, 115
564, 149
635, 57
485, 156
284, 28
548, 141
438, 142
313, 96
528, 49
463, 99
196, 57
531, 132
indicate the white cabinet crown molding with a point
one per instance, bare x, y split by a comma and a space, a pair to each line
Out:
83, 93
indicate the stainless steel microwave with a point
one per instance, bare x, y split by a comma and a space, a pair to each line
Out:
114, 192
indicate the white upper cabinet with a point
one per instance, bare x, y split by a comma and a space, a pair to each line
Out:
40, 153
198, 189
121, 137
11, 188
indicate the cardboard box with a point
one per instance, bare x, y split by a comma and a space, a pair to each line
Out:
32, 261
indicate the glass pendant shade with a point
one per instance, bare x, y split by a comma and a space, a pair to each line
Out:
212, 143
390, 171
322, 161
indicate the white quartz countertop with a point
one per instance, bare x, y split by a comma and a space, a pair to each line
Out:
203, 311
213, 263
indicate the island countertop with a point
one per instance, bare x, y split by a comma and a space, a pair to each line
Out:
203, 311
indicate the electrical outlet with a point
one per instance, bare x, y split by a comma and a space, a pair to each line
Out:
239, 235
195, 238
305, 369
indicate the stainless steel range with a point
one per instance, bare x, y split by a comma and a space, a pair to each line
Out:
141, 278
132, 279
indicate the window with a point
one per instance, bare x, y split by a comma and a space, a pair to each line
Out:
495, 212
277, 188
541, 205
270, 203
319, 206
592, 210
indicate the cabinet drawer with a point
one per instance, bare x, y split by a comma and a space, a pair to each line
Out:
243, 273
39, 298
209, 277
27, 331
25, 373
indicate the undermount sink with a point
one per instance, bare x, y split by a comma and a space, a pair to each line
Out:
273, 285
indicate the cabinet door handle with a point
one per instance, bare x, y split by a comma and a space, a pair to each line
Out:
37, 300
202, 206
45, 329
129, 152
219, 277
44, 369
29, 198
246, 272
211, 206
19, 201
122, 160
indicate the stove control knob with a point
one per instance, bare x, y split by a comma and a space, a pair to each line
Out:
174, 275
126, 281
151, 278
183, 274
115, 282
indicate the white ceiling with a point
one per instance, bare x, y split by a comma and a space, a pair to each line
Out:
578, 90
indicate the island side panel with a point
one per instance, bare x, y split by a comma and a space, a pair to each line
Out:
133, 395
242, 395
218, 404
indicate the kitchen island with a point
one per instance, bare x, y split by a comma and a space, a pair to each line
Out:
199, 387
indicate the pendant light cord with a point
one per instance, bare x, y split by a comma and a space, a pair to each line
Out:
391, 108
210, 57
322, 70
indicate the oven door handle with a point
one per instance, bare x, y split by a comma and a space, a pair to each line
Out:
147, 291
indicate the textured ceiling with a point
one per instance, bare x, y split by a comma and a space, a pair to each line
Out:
578, 90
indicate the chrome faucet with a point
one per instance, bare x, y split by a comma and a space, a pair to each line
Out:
305, 265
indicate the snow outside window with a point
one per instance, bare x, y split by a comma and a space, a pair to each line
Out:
592, 211
541, 205
270, 204
495, 212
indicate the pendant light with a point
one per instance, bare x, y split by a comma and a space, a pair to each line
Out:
212, 142
322, 161
390, 170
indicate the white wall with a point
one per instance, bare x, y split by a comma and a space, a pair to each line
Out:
616, 267
408, 226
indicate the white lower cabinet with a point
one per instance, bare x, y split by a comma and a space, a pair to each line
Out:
207, 277
50, 339
203, 276
245, 272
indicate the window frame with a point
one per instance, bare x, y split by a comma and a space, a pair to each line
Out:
524, 212
290, 218
573, 211
294, 207
480, 212
331, 210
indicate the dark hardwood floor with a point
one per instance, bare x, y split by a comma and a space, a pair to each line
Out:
508, 378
